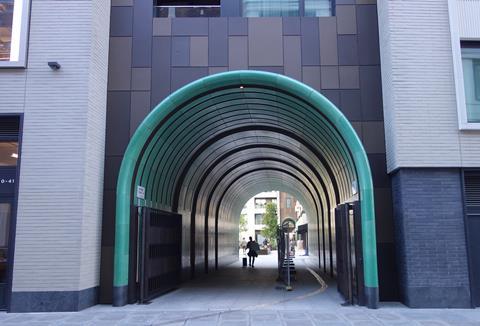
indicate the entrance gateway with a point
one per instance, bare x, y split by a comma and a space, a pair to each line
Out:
211, 145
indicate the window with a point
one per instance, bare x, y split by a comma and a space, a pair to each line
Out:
471, 82
261, 202
282, 8
289, 202
13, 32
318, 8
258, 219
200, 8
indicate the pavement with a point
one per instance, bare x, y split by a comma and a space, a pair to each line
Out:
239, 296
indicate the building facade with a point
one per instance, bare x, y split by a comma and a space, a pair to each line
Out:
77, 78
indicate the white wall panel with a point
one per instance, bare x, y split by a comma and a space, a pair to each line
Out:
418, 87
61, 179
468, 12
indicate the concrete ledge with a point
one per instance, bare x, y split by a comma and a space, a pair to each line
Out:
437, 297
53, 301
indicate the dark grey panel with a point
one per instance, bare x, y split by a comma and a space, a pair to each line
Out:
112, 166
53, 300
329, 76
366, 2
378, 165
199, 51
276, 70
162, 26
310, 41
218, 42
358, 129
371, 88
140, 107
368, 44
230, 8
121, 20
347, 50
350, 104
265, 42
106, 275
374, 137
119, 63
161, 69
291, 26
216, 70
333, 95
237, 52
311, 76
238, 26
183, 76
349, 77
142, 34
122, 3
108, 222
190, 26
141, 79
383, 214
328, 40
346, 19
293, 56
345, 2
118, 121
180, 51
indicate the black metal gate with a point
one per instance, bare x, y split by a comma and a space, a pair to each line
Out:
348, 236
162, 240
472, 217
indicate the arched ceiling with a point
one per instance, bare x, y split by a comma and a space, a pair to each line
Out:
215, 143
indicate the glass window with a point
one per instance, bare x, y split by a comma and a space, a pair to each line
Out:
8, 153
258, 219
5, 210
318, 8
289, 202
200, 8
270, 8
261, 202
471, 79
13, 32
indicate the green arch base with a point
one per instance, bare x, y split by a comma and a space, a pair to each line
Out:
275, 81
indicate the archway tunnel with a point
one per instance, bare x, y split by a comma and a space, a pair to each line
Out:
213, 144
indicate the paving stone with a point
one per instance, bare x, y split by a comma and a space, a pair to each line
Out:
234, 315
360, 316
331, 323
297, 322
324, 316
112, 316
293, 315
431, 323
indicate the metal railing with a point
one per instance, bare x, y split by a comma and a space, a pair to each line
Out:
187, 11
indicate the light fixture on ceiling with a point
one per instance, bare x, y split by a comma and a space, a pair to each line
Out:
14, 155
241, 87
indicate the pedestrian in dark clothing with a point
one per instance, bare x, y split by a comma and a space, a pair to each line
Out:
253, 249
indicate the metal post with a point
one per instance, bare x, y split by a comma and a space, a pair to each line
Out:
142, 230
287, 245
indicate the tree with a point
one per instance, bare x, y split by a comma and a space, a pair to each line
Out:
243, 223
270, 221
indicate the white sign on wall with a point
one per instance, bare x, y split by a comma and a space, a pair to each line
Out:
140, 192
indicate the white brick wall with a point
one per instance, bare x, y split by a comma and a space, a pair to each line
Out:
60, 192
421, 120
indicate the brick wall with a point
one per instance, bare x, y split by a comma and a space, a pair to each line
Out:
430, 232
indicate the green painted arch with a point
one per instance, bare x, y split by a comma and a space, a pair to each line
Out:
330, 133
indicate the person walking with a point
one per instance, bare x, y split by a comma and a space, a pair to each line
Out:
243, 245
253, 250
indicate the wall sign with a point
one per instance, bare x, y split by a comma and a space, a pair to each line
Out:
140, 192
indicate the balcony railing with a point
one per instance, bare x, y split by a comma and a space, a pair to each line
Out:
187, 11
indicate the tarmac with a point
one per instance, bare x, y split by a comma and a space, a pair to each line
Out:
240, 296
